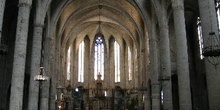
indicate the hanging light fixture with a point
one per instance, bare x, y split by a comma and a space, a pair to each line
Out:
211, 49
41, 76
212, 46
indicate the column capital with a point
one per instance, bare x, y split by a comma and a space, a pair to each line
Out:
177, 5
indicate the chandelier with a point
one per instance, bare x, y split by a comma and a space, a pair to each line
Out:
41, 76
211, 49
212, 46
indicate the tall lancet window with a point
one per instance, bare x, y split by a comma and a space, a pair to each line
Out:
199, 29
68, 63
129, 65
117, 61
81, 62
217, 4
99, 57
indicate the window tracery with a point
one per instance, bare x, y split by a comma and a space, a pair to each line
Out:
99, 57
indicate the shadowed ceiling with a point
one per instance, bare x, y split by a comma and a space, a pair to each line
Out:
120, 19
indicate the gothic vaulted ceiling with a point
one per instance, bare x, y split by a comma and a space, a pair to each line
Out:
78, 18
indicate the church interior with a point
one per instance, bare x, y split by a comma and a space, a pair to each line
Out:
110, 55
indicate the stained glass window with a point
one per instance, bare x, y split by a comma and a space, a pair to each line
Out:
129, 65
217, 4
68, 63
199, 29
117, 61
81, 62
99, 57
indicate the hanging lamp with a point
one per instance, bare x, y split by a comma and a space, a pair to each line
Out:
41, 76
211, 49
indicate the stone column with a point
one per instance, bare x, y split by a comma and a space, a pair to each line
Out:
122, 65
2, 9
46, 87
136, 58
107, 66
75, 64
111, 63
35, 67
154, 59
86, 62
49, 88
126, 67
208, 21
18, 72
3, 48
182, 56
44, 96
165, 67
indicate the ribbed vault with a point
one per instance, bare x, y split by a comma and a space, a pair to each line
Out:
118, 18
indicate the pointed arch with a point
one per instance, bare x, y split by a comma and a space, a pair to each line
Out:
117, 61
81, 62
99, 50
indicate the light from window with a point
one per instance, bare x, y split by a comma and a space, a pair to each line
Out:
129, 65
117, 61
99, 58
81, 62
162, 98
199, 29
68, 63
105, 93
218, 12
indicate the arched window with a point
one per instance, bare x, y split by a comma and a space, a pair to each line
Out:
99, 57
117, 61
81, 62
129, 65
217, 5
199, 29
68, 63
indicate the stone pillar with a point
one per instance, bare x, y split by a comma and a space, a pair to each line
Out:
122, 65
86, 62
44, 95
208, 21
111, 61
53, 76
3, 48
126, 67
75, 64
136, 58
2, 9
35, 67
64, 51
154, 59
182, 56
165, 67
107, 66
18, 72
45, 87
